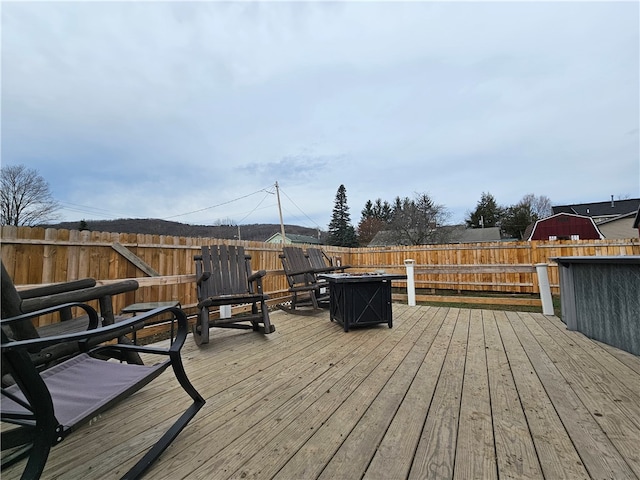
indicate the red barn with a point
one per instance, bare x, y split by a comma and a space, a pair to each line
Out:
565, 226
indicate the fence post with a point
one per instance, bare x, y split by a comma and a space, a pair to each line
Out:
411, 286
545, 289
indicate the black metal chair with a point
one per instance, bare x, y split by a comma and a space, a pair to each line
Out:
16, 303
44, 407
224, 277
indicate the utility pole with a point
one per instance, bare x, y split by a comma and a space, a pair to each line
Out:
280, 211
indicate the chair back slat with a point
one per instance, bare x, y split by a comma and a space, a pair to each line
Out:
228, 268
295, 260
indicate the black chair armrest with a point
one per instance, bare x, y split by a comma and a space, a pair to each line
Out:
102, 333
58, 288
327, 269
82, 295
45, 355
257, 275
96, 336
94, 319
303, 271
203, 278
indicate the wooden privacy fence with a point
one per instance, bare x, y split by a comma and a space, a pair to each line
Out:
164, 266
498, 267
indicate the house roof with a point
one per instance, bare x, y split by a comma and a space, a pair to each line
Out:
452, 234
618, 217
302, 238
636, 222
600, 209
293, 238
471, 235
529, 230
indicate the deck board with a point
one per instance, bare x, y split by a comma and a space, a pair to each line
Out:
554, 448
604, 461
475, 455
445, 393
394, 456
515, 452
435, 454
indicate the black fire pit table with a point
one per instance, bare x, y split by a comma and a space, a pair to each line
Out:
359, 299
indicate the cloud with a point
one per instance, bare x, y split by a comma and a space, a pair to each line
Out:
159, 109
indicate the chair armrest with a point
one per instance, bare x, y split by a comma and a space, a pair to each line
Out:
257, 275
103, 333
82, 295
43, 356
58, 288
203, 278
327, 269
176, 342
98, 335
300, 272
94, 319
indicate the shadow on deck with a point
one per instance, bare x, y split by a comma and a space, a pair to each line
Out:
445, 393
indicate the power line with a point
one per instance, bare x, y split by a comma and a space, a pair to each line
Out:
301, 211
256, 207
267, 190
87, 209
218, 205
73, 207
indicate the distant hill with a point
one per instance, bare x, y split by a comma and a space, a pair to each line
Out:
256, 232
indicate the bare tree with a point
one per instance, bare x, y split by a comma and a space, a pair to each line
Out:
25, 198
416, 221
540, 205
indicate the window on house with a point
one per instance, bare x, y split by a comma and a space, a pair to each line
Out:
575, 237
552, 237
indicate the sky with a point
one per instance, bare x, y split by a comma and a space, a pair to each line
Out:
192, 111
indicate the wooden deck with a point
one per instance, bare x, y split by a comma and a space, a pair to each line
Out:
446, 393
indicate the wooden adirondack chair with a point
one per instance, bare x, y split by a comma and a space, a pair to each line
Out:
41, 408
16, 303
302, 279
322, 263
224, 277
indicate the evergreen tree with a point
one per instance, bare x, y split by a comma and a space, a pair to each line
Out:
487, 213
527, 211
367, 211
341, 232
375, 217
517, 218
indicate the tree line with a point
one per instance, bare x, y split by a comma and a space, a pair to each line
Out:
26, 200
415, 221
